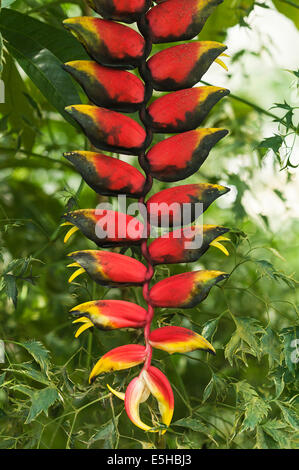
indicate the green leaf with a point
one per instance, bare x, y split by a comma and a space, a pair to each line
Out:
274, 143
256, 410
271, 346
41, 401
193, 424
61, 43
39, 353
40, 49
218, 384
209, 329
44, 69
11, 288
274, 429
106, 432
28, 371
16, 105
289, 415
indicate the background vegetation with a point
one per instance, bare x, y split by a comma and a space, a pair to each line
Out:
245, 397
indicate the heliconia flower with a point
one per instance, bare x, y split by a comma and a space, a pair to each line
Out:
108, 268
108, 130
178, 20
107, 176
105, 227
111, 44
150, 381
184, 65
187, 244
176, 339
183, 110
120, 10
109, 315
181, 155
115, 89
122, 357
166, 208
185, 290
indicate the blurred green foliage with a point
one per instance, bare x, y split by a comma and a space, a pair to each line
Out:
245, 397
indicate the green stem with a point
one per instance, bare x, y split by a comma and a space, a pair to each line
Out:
36, 155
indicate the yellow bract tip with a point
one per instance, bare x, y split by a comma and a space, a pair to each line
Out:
119, 395
74, 265
66, 223
222, 64
224, 55
82, 328
70, 233
220, 247
76, 274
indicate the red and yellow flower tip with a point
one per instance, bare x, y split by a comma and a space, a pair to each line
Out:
109, 315
122, 357
181, 155
184, 65
115, 89
108, 268
178, 20
108, 130
150, 381
166, 208
183, 110
107, 175
111, 44
120, 10
176, 339
185, 290
105, 227
187, 244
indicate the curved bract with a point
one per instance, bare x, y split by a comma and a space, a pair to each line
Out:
115, 89
186, 245
105, 227
183, 110
108, 268
113, 49
180, 156
185, 290
107, 175
180, 205
110, 44
127, 11
108, 130
178, 20
184, 65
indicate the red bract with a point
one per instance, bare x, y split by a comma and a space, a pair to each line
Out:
115, 48
107, 175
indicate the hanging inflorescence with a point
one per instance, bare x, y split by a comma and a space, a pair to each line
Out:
114, 49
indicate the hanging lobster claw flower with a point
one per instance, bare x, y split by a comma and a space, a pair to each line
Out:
176, 339
114, 89
181, 205
104, 227
185, 290
107, 175
181, 155
108, 130
119, 10
178, 20
109, 43
107, 268
149, 381
110, 314
183, 110
122, 357
184, 65
187, 244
